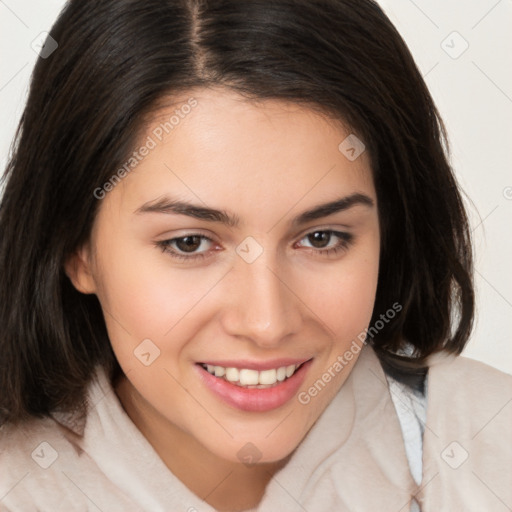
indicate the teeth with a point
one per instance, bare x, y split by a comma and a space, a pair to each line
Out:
219, 371
281, 373
268, 377
289, 370
247, 377
232, 374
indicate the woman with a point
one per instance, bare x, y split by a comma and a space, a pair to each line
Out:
237, 271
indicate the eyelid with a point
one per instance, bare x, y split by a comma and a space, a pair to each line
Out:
327, 227
211, 237
165, 243
179, 232
346, 239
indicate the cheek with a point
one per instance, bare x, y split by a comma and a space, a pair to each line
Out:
144, 297
344, 295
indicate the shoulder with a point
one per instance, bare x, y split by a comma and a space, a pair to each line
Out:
468, 394
30, 465
469, 414
468, 376
46, 465
37, 462
22, 442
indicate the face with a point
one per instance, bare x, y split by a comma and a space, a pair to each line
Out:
227, 292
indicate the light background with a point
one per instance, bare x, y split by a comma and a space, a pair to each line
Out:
473, 91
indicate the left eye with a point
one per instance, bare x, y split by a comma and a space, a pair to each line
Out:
321, 239
186, 247
319, 242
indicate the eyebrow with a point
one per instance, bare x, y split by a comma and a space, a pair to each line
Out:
171, 206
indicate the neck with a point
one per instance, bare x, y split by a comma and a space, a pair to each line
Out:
225, 485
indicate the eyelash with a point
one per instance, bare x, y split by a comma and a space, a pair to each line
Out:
346, 240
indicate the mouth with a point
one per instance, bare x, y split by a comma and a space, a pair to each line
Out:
250, 378
254, 387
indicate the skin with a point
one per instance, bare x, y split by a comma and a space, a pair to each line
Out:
266, 162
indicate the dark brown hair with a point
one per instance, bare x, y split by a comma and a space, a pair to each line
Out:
116, 60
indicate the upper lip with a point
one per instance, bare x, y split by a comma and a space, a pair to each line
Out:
256, 365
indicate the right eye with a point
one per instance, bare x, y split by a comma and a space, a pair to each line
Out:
184, 247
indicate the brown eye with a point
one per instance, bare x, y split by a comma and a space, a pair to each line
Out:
189, 247
321, 242
188, 243
320, 239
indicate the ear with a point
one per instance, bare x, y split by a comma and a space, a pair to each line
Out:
78, 267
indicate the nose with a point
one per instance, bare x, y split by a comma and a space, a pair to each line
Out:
263, 306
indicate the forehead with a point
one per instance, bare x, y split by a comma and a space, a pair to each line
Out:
217, 147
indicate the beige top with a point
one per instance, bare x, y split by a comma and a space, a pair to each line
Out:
353, 458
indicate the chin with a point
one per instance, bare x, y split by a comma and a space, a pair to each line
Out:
257, 449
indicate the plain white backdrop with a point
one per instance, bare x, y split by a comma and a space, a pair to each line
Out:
463, 50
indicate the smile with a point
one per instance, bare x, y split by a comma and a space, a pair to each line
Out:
249, 378
259, 388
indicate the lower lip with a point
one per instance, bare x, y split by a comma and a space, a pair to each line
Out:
254, 399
